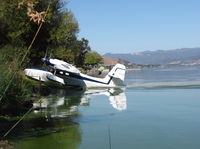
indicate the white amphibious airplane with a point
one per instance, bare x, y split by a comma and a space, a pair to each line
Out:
68, 75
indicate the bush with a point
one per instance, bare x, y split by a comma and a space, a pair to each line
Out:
16, 99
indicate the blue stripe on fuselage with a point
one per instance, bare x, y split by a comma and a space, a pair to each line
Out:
85, 78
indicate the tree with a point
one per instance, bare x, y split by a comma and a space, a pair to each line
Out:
17, 29
73, 53
92, 58
58, 33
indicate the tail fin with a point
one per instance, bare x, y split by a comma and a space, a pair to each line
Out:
118, 74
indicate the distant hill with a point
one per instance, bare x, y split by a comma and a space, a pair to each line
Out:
112, 61
184, 56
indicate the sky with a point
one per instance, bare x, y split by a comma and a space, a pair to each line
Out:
128, 26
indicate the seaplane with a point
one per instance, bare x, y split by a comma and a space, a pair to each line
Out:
68, 75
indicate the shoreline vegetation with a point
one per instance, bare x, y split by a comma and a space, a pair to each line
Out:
57, 37
31, 30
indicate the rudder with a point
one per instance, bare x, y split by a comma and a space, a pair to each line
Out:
118, 72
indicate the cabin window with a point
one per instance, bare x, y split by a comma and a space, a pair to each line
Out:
61, 72
67, 74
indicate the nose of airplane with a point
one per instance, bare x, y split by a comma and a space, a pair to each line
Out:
43, 59
47, 61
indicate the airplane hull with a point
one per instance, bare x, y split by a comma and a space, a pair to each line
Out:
42, 75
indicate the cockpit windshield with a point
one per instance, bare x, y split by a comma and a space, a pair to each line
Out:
66, 66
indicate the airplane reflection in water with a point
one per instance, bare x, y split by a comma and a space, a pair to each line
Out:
66, 102
116, 96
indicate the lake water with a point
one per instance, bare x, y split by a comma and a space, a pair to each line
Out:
158, 109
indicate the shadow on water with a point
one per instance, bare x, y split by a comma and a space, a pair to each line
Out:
52, 123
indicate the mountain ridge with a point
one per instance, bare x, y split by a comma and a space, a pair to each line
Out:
183, 56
